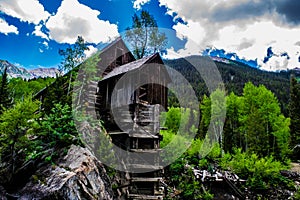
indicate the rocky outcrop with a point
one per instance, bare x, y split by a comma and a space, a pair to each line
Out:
79, 175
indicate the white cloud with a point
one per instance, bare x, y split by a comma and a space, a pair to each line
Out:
5, 28
137, 4
26, 10
249, 36
45, 43
91, 51
171, 54
38, 32
73, 19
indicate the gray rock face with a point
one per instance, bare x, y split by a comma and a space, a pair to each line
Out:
14, 71
78, 176
44, 72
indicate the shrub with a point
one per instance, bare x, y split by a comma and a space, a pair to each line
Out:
261, 173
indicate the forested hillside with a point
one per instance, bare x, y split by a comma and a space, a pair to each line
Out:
234, 75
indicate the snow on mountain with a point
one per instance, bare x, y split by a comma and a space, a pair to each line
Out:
218, 59
19, 72
44, 72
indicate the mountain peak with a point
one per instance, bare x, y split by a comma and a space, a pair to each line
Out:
19, 72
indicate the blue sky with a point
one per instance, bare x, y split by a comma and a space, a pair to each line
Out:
30, 48
32, 31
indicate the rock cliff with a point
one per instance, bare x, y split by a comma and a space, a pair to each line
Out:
79, 175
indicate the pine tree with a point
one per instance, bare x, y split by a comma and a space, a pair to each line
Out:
294, 112
5, 97
16, 126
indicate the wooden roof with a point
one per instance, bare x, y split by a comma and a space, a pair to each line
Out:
129, 66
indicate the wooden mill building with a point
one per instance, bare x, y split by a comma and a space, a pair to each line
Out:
130, 96
128, 99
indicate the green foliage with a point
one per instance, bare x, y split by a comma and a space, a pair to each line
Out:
56, 93
234, 75
294, 113
17, 125
196, 145
297, 195
194, 151
213, 111
58, 128
191, 189
5, 96
179, 119
183, 178
205, 108
178, 140
255, 114
232, 135
266, 129
22, 88
168, 136
179, 134
178, 144
260, 173
215, 152
254, 123
73, 55
144, 36
86, 76
173, 117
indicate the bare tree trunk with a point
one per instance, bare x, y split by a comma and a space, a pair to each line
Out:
70, 80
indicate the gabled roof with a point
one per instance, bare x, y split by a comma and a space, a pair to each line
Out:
129, 66
118, 39
105, 48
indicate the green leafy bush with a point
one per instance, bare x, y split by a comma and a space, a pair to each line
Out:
260, 173
17, 128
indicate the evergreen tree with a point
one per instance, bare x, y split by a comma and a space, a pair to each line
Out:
5, 96
16, 126
58, 127
294, 112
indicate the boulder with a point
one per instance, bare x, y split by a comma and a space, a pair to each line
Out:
79, 175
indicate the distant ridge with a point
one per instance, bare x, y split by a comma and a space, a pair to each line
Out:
44, 72
20, 72
234, 75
